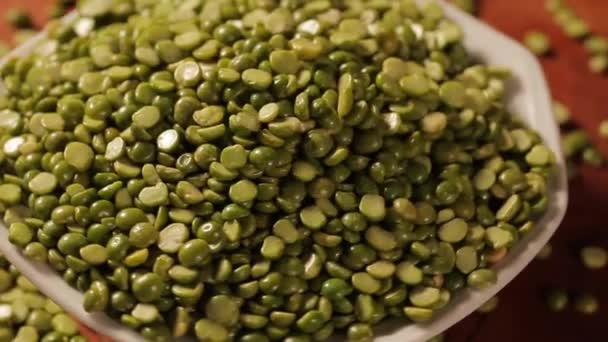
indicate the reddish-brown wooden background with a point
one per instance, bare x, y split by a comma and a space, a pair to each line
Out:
521, 315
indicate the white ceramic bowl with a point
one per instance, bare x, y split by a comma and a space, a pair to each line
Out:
528, 96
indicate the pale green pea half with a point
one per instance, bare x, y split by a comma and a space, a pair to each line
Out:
188, 74
279, 20
35, 125
453, 93
92, 83
373, 207
79, 155
481, 278
380, 239
223, 310
522, 138
304, 171
453, 231
434, 123
10, 120
189, 193
365, 283
484, 179
381, 269
145, 313
466, 259
268, 112
26, 334
20, 234
228, 75
509, 208
94, 254
311, 321
424, 297
65, 325
345, 94
284, 62
232, 230
256, 78
52, 122
312, 217
445, 215
115, 149
539, 155
146, 117
243, 191
43, 183
272, 247
172, 237
207, 330
409, 273
209, 116
10, 193
168, 141
234, 157
419, 315
498, 237
285, 230
154, 196
537, 42
415, 84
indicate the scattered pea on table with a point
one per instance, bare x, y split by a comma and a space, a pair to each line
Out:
489, 306
561, 112
537, 42
557, 300
596, 45
545, 252
603, 129
586, 304
592, 156
594, 257
598, 64
575, 27
18, 18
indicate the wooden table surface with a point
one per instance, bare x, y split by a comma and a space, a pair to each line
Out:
522, 315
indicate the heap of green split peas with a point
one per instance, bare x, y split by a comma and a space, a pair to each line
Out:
264, 170
26, 315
